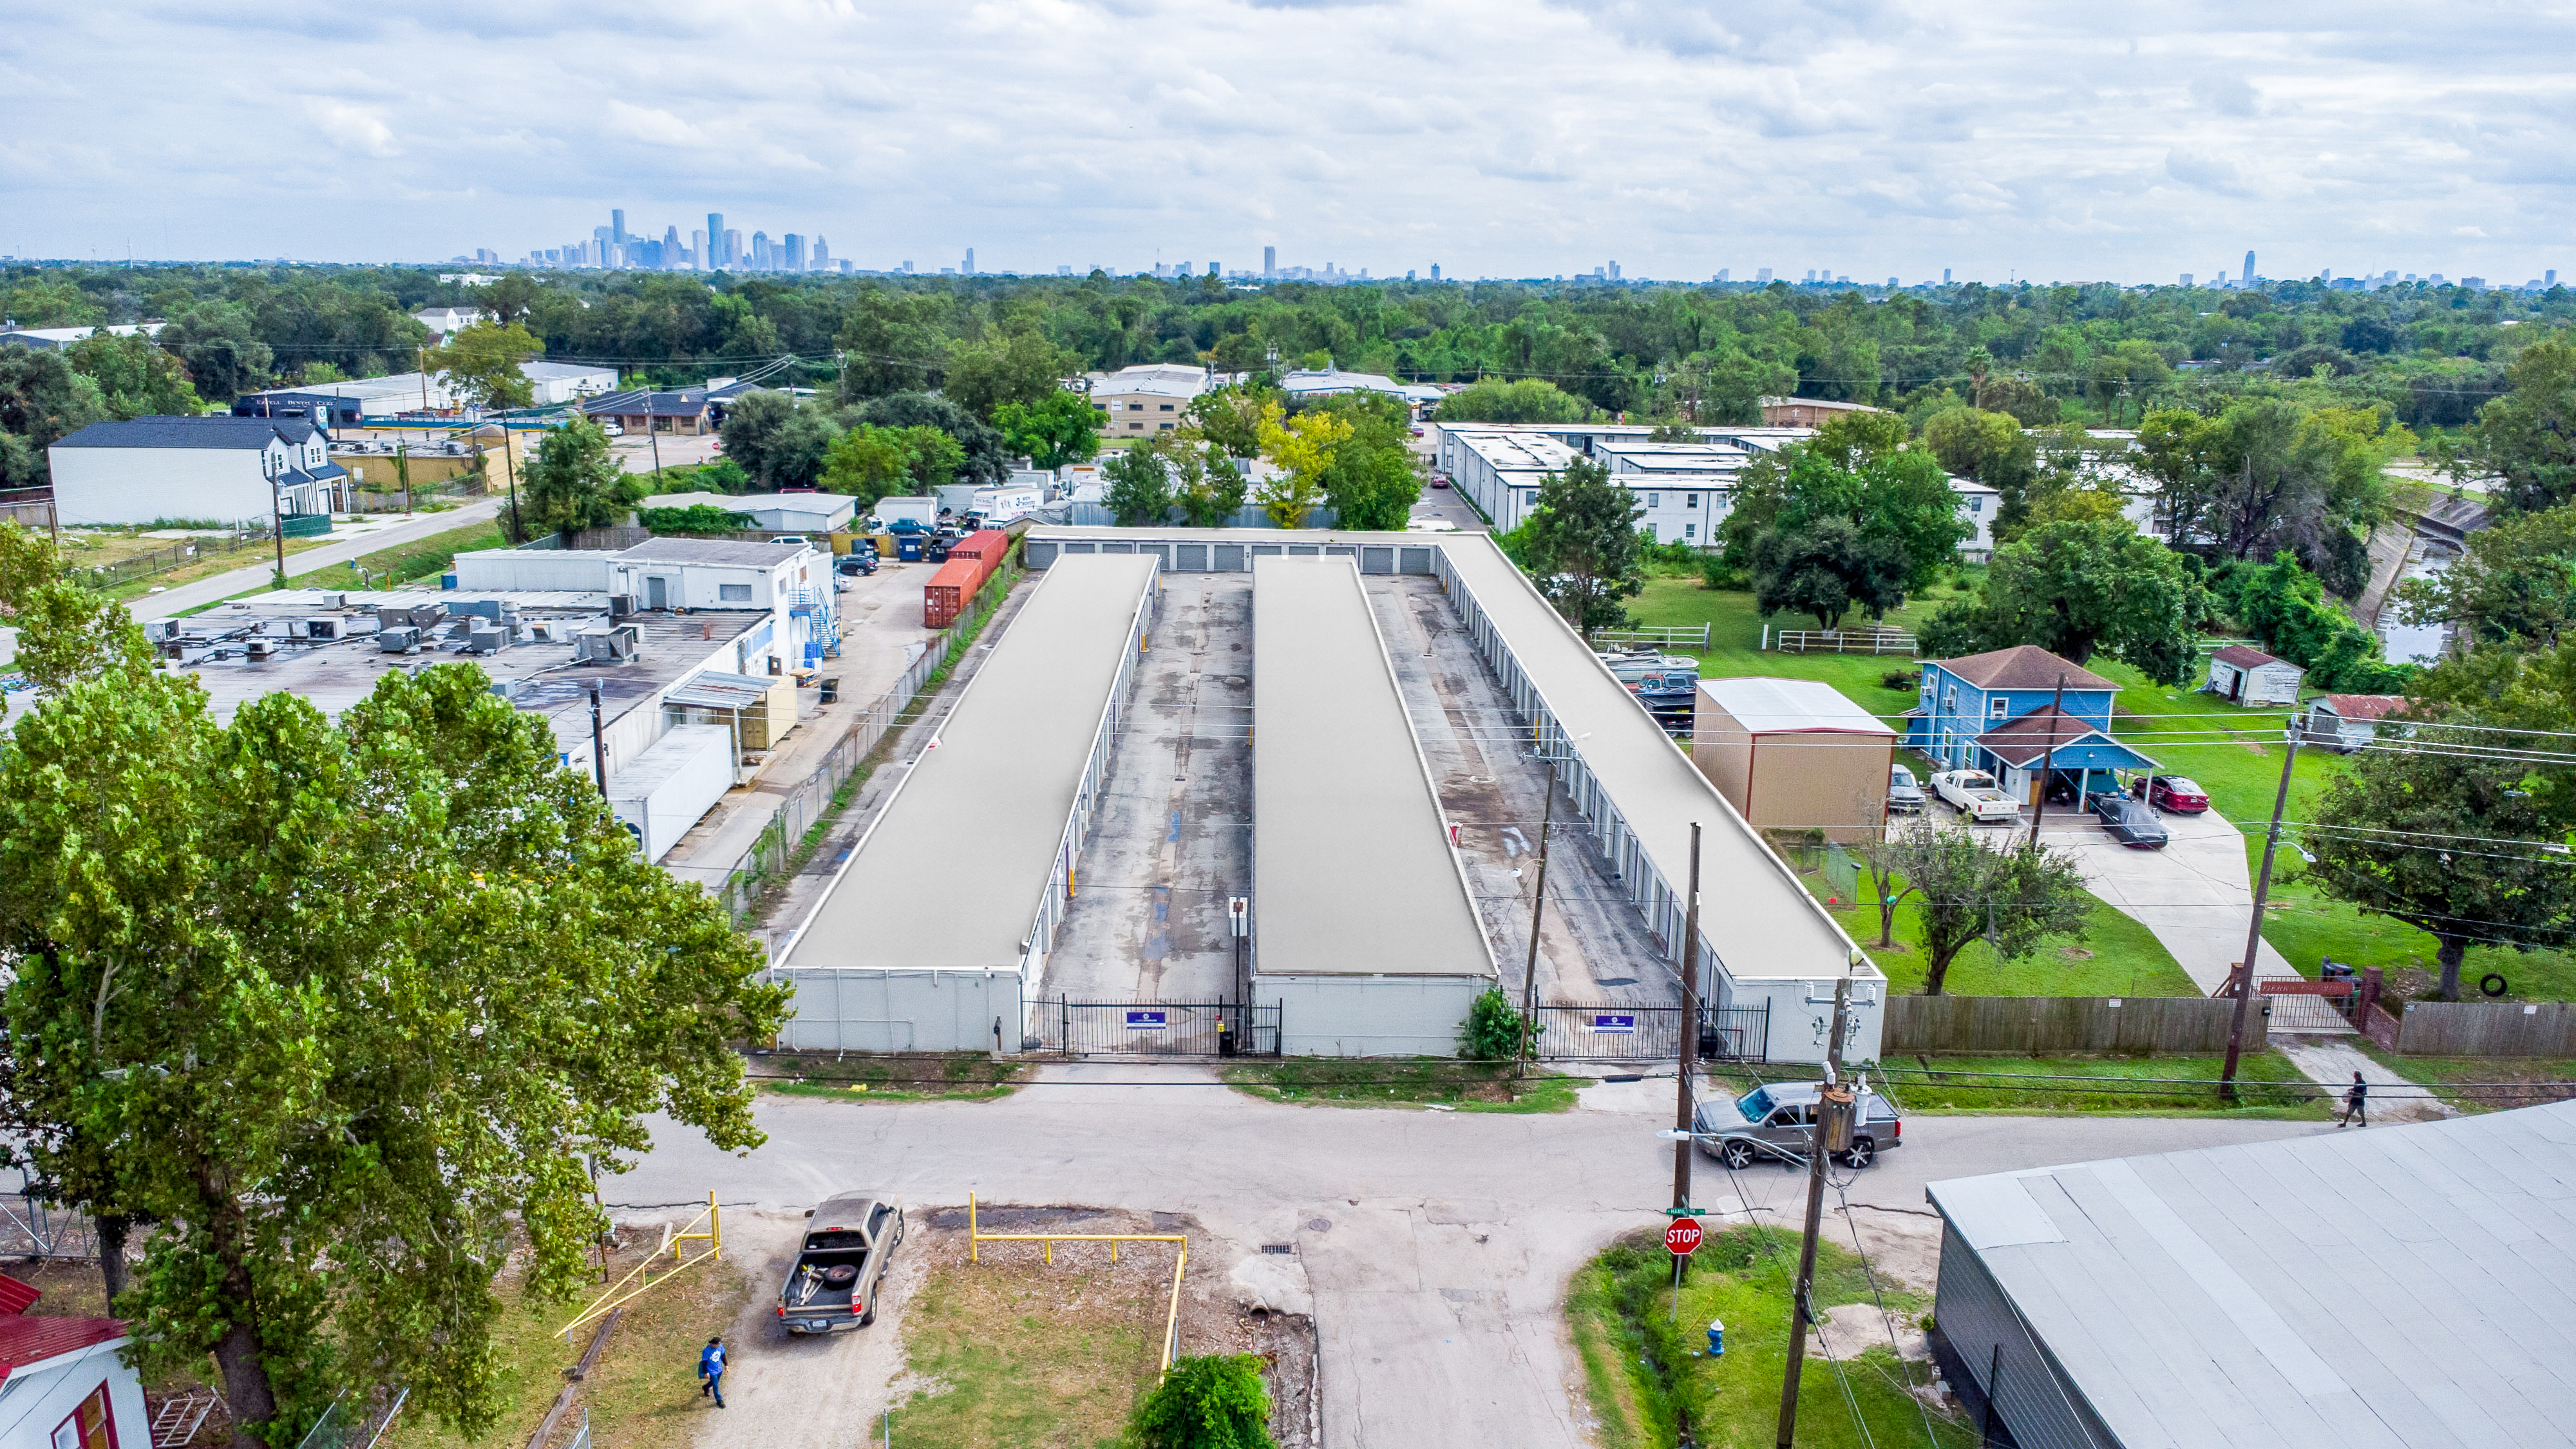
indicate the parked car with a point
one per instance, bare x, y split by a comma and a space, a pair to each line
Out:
792, 538
1974, 793
840, 1267
2174, 793
1777, 1120
1439, 482
1633, 665
612, 430
1904, 797
857, 561
2132, 821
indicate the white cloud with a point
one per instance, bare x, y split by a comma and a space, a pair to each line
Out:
1504, 137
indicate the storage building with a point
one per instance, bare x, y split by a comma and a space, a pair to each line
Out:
934, 934
64, 1382
1794, 754
1363, 926
2347, 722
2402, 1288
672, 785
2242, 674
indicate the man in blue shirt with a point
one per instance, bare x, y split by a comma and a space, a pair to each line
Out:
711, 1364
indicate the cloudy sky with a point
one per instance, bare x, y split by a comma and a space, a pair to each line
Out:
1494, 137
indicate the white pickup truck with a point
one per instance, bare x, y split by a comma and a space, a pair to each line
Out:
1974, 793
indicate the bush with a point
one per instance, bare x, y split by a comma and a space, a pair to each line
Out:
1492, 1032
696, 518
1905, 679
1215, 1401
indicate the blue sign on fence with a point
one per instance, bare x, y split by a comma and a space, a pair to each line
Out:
1147, 1020
1621, 1022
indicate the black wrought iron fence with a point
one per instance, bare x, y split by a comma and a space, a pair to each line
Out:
1619, 1032
1158, 1028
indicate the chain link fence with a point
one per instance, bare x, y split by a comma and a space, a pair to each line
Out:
811, 799
178, 555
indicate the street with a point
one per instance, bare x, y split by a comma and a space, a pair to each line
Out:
1436, 1245
330, 555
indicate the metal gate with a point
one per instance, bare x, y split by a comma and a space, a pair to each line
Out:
1615, 1032
1158, 1028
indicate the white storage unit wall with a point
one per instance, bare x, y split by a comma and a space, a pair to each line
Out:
671, 786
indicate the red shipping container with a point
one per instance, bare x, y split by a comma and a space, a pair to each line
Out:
988, 544
949, 591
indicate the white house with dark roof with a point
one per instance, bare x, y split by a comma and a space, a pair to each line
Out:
2242, 674
227, 469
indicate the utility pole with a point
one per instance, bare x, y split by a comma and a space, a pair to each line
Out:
598, 742
2048, 764
2254, 928
1538, 911
276, 517
1683, 1145
1834, 1096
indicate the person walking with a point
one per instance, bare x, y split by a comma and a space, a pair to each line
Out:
711, 1364
2356, 1100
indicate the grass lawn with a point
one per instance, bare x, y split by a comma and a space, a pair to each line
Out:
2501, 1082
419, 559
1735, 641
2145, 1085
641, 1394
1406, 1082
929, 1077
1022, 1356
1649, 1377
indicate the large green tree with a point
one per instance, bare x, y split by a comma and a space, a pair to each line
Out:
2078, 588
42, 401
1023, 368
1858, 471
2516, 581
575, 482
135, 377
1529, 400
986, 455
890, 342
343, 1012
869, 462
1826, 568
1581, 547
484, 364
2285, 606
1138, 486
2270, 472
221, 345
2012, 899
2527, 438
1055, 430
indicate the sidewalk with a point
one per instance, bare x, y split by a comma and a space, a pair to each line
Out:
348, 541
2331, 1064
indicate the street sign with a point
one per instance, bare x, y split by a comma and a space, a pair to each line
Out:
1682, 1236
1147, 1020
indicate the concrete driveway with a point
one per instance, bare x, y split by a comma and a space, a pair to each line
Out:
1436, 1245
2196, 894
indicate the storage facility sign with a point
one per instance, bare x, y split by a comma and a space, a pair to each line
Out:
1622, 1023
1147, 1020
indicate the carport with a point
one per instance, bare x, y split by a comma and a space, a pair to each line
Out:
2050, 743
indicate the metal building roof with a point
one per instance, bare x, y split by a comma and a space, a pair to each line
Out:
1353, 873
2396, 1288
1773, 706
950, 875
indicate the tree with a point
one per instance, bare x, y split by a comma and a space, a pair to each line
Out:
799, 448
1493, 1029
1727, 386
575, 483
1582, 547
2432, 834
1214, 1401
1530, 400
2527, 438
42, 401
1300, 450
870, 462
1023, 369
2285, 606
985, 456
135, 378
2075, 588
482, 364
891, 343
219, 343
1207, 485
751, 427
2013, 899
65, 633
2269, 473
1826, 567
1896, 495
1371, 482
1057, 429
1229, 418
332, 1087
1139, 487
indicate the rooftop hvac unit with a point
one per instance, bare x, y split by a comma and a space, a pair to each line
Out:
258, 647
321, 628
162, 630
510, 689
405, 640
486, 641
335, 601
605, 646
621, 605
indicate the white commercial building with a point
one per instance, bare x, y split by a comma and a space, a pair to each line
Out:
351, 403
229, 470
53, 339
1145, 400
783, 512
791, 581
1301, 385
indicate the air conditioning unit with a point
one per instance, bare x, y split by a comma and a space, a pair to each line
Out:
510, 689
321, 628
405, 640
162, 630
616, 645
258, 648
486, 641
335, 601
621, 606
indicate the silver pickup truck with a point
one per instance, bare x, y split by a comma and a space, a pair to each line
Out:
1975, 794
840, 1268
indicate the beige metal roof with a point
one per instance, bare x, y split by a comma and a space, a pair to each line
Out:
1352, 868
950, 875
1770, 706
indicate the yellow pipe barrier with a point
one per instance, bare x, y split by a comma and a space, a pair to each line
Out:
975, 1236
713, 1237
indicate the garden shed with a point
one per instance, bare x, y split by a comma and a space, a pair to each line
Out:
2243, 674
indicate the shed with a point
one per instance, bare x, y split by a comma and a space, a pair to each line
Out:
2401, 1288
2347, 722
64, 1384
2247, 675
1794, 754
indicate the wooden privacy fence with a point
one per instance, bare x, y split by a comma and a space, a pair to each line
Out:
2482, 1029
2038, 1025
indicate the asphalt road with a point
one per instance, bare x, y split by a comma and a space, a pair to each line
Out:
1436, 1245
224, 585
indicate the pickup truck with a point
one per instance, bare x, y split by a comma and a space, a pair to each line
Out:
1974, 793
840, 1268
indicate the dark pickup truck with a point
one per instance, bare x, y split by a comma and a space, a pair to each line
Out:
835, 1280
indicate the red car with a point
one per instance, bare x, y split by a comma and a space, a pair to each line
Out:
2174, 793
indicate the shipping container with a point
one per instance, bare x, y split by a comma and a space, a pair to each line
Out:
672, 785
949, 591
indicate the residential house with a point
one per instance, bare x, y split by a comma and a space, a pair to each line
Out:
2347, 722
2245, 675
638, 410
445, 322
64, 1382
2016, 714
227, 469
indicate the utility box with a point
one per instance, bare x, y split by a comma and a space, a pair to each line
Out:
404, 640
671, 786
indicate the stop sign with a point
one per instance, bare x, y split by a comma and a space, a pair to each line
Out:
1682, 1237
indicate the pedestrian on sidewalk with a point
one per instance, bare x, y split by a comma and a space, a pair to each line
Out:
711, 1364
2356, 1101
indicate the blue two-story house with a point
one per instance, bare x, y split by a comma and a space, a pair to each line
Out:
2004, 713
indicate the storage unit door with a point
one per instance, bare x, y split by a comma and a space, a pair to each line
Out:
1230, 559
1189, 558
1377, 559
1413, 561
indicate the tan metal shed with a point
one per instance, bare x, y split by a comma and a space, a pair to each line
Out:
1794, 754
